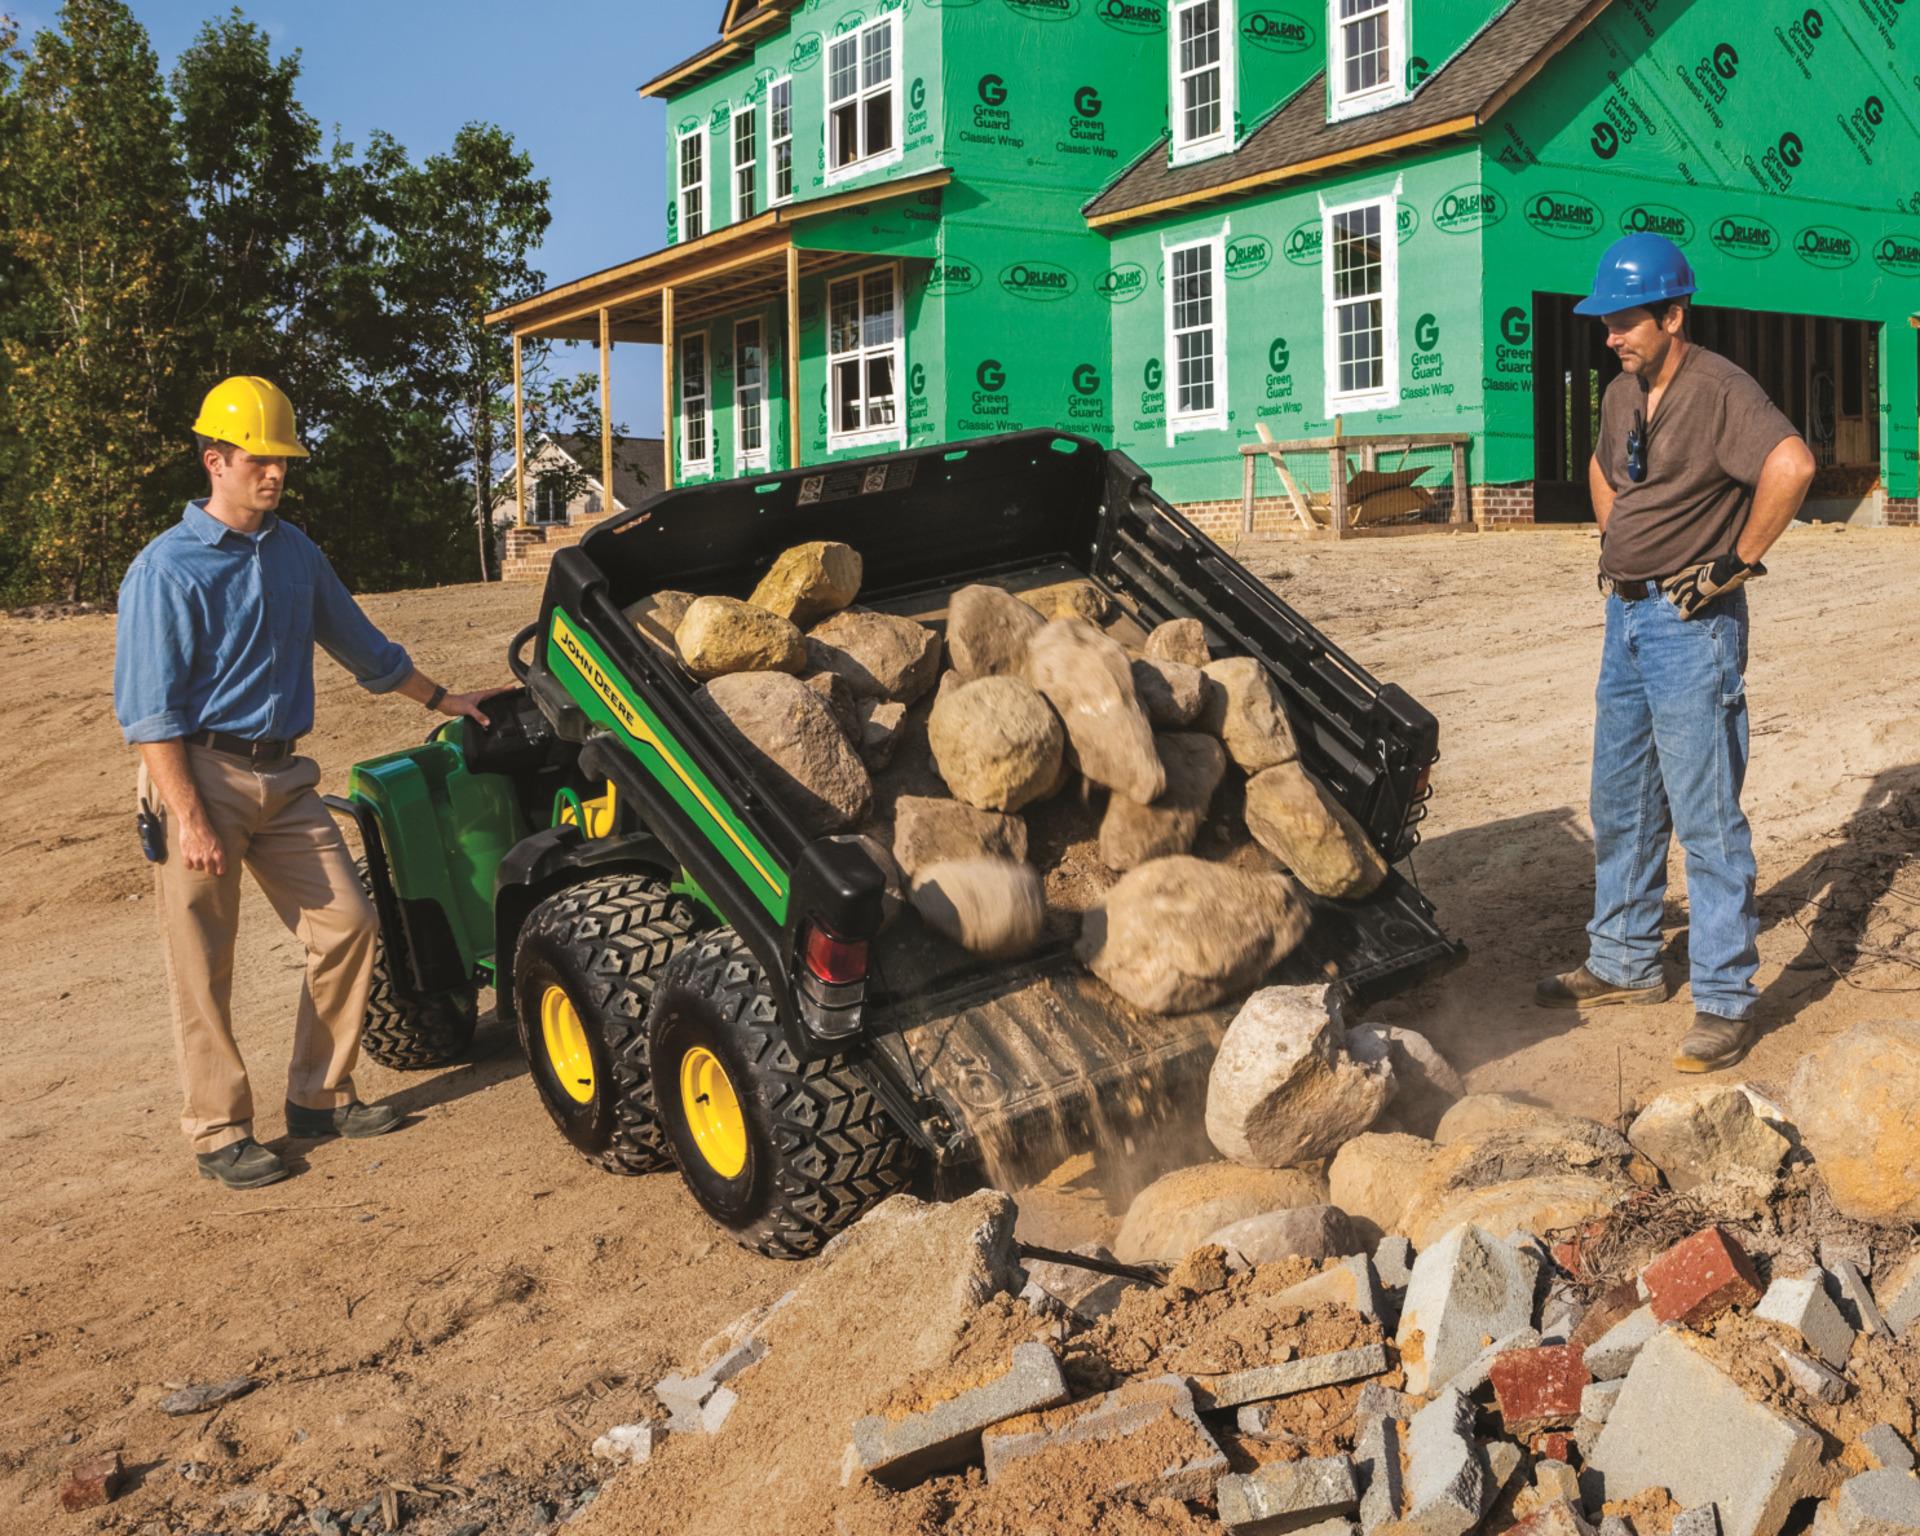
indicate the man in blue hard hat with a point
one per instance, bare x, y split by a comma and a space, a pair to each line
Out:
1696, 474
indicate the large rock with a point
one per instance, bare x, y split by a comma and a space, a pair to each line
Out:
1856, 1100
928, 831
1468, 1289
1283, 1090
1373, 1179
1538, 1204
1313, 1232
810, 581
1481, 1113
1177, 1212
1087, 679
1310, 832
792, 742
833, 689
1179, 934
1076, 599
1245, 712
1170, 692
1692, 1135
881, 655
987, 632
1181, 640
722, 635
991, 907
996, 742
1131, 834
1425, 1085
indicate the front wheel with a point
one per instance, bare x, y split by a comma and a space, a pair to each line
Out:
782, 1153
411, 1034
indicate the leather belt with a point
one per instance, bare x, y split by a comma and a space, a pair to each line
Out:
1631, 591
263, 753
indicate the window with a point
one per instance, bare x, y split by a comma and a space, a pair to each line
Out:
749, 395
549, 503
1196, 337
1201, 39
861, 100
780, 136
696, 443
1362, 273
746, 163
693, 184
1364, 39
863, 359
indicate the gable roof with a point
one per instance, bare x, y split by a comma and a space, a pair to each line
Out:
1297, 141
743, 23
639, 464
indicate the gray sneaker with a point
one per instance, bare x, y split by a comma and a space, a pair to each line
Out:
1583, 989
355, 1121
242, 1164
1714, 1044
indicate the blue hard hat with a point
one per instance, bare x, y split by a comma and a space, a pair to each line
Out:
1638, 271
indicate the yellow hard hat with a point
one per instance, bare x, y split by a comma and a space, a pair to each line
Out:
250, 413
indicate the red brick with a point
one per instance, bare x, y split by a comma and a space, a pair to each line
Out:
1696, 1280
1538, 1388
91, 1483
1555, 1445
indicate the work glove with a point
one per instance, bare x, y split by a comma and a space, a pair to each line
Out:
1698, 585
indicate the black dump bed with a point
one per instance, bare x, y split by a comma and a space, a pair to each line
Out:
976, 1058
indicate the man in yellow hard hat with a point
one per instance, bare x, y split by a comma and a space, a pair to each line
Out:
213, 683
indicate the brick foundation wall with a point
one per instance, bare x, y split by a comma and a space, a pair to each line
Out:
1498, 505
1494, 505
1902, 511
527, 552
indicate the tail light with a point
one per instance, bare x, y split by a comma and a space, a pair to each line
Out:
834, 960
832, 985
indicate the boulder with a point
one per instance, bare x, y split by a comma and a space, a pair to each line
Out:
991, 907
658, 616
1087, 679
1181, 640
1077, 599
1131, 834
1856, 1101
1557, 1172
894, 897
880, 722
1170, 692
1479, 1113
1542, 1203
1176, 1212
1694, 1134
810, 581
722, 635
1178, 934
1245, 712
928, 831
838, 697
1283, 1090
996, 742
1313, 1232
1373, 1179
1305, 828
987, 632
1425, 1085
881, 655
789, 737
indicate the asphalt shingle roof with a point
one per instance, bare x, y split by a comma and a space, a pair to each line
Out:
639, 464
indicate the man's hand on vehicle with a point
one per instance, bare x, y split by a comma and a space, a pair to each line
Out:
1698, 585
468, 704
200, 847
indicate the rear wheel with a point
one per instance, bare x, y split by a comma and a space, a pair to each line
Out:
783, 1153
410, 1034
583, 976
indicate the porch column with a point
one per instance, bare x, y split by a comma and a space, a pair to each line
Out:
606, 410
793, 358
666, 379
519, 441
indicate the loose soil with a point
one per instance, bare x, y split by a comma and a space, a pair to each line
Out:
465, 1305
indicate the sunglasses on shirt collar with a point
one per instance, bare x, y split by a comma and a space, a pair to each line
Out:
1637, 449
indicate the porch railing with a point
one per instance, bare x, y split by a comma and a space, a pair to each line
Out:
1345, 486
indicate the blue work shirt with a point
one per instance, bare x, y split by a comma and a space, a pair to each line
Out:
217, 629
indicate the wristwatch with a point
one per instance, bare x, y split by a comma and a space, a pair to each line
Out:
434, 698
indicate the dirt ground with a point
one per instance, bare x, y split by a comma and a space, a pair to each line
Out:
466, 1304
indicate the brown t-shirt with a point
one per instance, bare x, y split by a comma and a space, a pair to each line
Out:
1704, 448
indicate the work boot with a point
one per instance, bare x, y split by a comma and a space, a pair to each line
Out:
1714, 1043
355, 1121
1583, 989
243, 1164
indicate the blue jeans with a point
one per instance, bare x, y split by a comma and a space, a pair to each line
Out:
1669, 758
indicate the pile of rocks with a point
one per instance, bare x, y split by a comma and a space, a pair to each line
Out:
1016, 701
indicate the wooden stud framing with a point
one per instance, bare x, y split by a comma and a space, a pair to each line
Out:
793, 358
519, 441
666, 381
606, 411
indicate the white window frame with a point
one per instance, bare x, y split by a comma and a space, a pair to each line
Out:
1221, 140
1214, 418
688, 464
862, 91
1343, 104
1388, 392
751, 166
546, 494
745, 458
681, 186
896, 430
774, 141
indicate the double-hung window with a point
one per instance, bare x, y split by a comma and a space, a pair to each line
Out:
1364, 39
1196, 337
1201, 40
780, 136
863, 359
549, 504
696, 436
863, 99
1361, 277
746, 163
693, 184
749, 395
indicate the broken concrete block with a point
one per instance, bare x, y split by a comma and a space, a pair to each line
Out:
1812, 1377
1504, 1458
1288, 1496
1085, 1293
1158, 1408
1348, 1283
1701, 1520
1896, 1291
1447, 1477
1801, 1303
1382, 1402
1586, 1434
713, 1413
1597, 1399
630, 1443
1376, 1461
1465, 1288
1877, 1504
1616, 1525
900, 1452
1611, 1355
1856, 1301
1474, 1375
1393, 1262
1555, 1481
1538, 1388
1682, 1424
1700, 1277
1886, 1449
1288, 1377
1265, 1421
1560, 1315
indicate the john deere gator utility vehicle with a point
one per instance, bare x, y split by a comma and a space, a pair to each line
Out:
701, 984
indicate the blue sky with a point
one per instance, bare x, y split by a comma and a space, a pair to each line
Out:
560, 77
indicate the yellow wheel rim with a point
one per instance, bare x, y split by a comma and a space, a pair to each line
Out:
565, 1038
713, 1112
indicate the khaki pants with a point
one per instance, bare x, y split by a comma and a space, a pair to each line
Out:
272, 821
